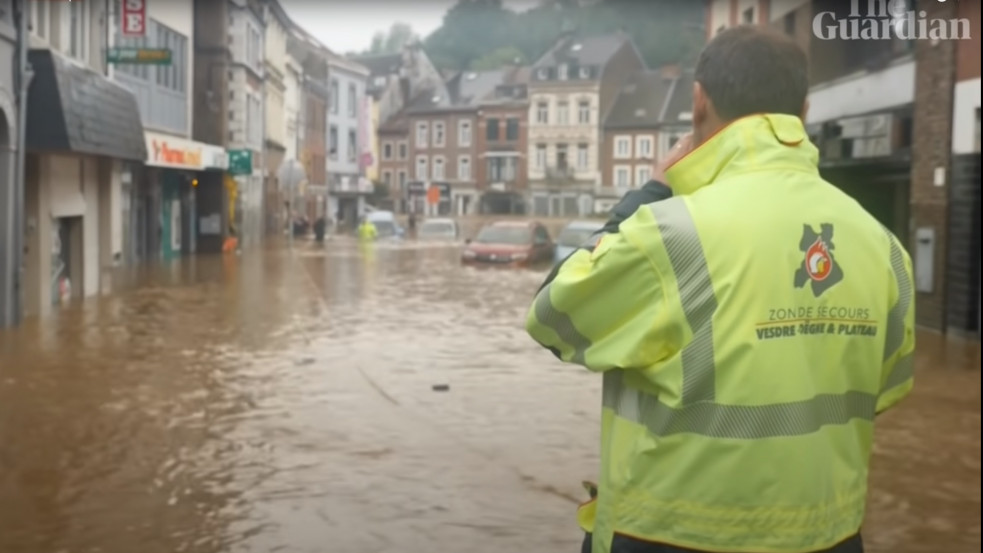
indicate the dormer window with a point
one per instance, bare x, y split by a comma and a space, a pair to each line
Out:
543, 73
380, 80
562, 72
585, 72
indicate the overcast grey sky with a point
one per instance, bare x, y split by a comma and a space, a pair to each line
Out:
348, 25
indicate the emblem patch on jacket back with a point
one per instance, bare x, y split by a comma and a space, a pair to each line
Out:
819, 267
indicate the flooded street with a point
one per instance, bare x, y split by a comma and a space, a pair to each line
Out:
281, 402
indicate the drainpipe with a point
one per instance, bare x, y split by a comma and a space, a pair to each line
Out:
23, 76
265, 164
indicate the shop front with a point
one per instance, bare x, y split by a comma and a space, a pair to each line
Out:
180, 182
82, 129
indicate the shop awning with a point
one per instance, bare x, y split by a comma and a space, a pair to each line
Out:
71, 108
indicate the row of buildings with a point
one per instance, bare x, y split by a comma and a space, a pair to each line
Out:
565, 136
138, 130
897, 123
234, 117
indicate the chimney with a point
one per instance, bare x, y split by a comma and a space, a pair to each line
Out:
404, 90
671, 71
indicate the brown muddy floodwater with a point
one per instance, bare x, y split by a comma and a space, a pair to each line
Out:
277, 403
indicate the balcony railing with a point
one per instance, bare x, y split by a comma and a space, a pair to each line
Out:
564, 172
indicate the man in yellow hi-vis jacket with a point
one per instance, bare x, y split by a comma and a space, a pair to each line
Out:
749, 330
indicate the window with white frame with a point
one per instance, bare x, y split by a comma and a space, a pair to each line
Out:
254, 120
540, 156
352, 145
563, 113
439, 139
75, 44
644, 148
174, 75
583, 156
387, 151
333, 141
668, 139
254, 46
643, 173
335, 93
352, 101
422, 168
622, 147
562, 72
583, 112
622, 176
438, 168
40, 18
464, 133
542, 113
464, 168
422, 134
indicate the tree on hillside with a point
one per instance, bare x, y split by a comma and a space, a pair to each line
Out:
470, 30
392, 41
476, 33
506, 55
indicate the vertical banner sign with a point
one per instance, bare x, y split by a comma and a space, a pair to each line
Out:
134, 17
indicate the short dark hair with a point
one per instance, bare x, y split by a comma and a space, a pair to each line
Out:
746, 70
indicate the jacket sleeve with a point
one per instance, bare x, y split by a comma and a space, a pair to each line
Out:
653, 191
897, 376
601, 310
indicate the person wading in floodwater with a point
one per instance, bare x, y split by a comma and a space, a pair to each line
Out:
716, 437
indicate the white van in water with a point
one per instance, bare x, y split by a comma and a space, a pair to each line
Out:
385, 224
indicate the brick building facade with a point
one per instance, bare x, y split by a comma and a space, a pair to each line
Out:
935, 76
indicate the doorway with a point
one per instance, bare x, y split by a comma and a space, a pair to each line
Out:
66, 259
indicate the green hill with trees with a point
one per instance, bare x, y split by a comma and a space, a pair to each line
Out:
484, 34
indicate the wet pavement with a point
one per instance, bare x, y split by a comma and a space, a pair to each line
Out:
284, 403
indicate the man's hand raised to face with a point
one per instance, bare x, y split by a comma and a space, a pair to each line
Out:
683, 147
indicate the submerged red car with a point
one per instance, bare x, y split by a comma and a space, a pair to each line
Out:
509, 243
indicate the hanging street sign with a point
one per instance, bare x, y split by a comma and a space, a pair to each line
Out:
134, 18
240, 162
139, 56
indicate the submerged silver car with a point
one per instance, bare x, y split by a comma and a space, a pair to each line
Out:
574, 235
439, 230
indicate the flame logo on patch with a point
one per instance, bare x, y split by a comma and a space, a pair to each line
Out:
818, 262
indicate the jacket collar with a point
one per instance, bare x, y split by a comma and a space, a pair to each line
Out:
752, 143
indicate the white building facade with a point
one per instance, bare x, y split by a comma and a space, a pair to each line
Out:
346, 141
247, 30
78, 152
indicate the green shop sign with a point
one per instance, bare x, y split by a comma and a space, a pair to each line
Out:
139, 56
240, 162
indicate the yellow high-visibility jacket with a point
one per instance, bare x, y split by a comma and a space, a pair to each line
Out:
748, 330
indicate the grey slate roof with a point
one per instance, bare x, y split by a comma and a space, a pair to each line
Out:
585, 51
73, 108
474, 86
681, 101
649, 99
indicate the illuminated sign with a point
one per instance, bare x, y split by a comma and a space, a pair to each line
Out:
166, 154
134, 18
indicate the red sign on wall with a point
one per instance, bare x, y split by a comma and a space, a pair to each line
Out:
133, 19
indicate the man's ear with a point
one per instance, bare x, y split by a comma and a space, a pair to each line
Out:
700, 110
805, 110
